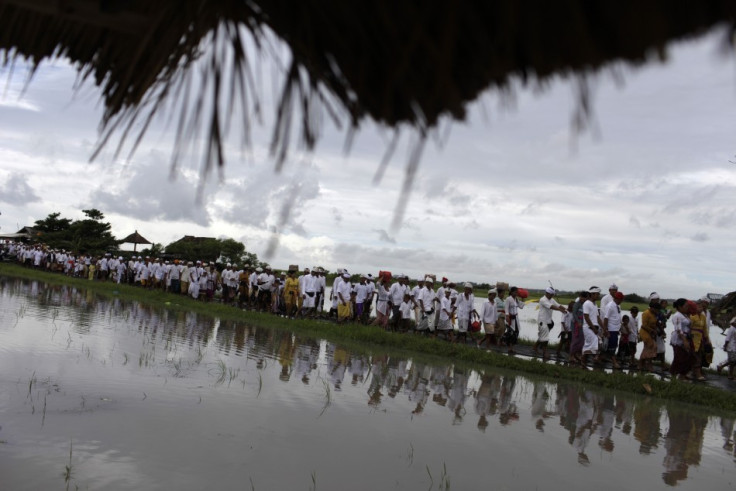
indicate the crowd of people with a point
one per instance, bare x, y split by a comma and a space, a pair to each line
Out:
590, 332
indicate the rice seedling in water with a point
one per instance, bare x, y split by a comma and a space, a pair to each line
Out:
410, 455
68, 468
232, 375
30, 384
43, 419
444, 479
260, 385
220, 372
328, 396
313, 486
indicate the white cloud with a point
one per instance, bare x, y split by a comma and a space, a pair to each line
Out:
16, 191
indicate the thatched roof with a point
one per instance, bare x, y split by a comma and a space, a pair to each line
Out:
406, 62
724, 310
135, 238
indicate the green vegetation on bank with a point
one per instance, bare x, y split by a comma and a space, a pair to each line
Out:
375, 338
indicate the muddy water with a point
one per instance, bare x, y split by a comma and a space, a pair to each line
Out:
109, 394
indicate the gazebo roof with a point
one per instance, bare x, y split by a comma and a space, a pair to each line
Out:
136, 238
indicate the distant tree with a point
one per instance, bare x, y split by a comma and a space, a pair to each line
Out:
231, 250
52, 223
210, 249
155, 250
92, 235
634, 298
88, 236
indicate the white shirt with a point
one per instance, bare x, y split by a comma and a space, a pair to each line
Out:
634, 326
405, 309
607, 299
427, 296
489, 313
613, 314
589, 308
396, 293
681, 324
545, 309
309, 284
464, 305
361, 293
730, 339
446, 306
344, 292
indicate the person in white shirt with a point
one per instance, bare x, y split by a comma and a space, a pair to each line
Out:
405, 308
446, 310
591, 323
608, 297
194, 276
488, 317
612, 327
427, 299
395, 297
321, 288
309, 285
544, 320
300, 300
382, 308
465, 308
370, 293
566, 331
729, 346
681, 341
511, 308
121, 270
633, 333
414, 295
344, 311
361, 294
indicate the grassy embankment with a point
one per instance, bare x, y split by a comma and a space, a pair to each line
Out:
377, 339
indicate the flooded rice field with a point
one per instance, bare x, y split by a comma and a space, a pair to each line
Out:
100, 393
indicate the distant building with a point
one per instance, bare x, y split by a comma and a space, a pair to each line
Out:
24, 234
193, 239
714, 297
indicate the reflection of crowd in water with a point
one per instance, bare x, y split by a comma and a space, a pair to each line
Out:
594, 421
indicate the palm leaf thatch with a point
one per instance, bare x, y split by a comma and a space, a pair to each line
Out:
400, 63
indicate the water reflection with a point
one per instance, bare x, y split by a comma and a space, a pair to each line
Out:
593, 424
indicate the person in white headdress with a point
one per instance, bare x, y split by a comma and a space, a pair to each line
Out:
591, 324
544, 320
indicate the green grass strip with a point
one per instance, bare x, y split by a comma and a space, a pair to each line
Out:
371, 337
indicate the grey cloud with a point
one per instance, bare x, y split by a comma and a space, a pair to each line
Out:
337, 215
634, 221
531, 209
266, 199
383, 236
16, 191
700, 237
149, 193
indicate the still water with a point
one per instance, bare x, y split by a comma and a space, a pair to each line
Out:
99, 393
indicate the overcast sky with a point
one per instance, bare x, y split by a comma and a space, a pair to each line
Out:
646, 200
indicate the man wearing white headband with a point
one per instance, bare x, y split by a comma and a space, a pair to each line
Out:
591, 324
544, 320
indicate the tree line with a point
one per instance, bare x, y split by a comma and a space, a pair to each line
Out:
92, 235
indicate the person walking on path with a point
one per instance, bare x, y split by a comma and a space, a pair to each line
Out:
681, 341
544, 320
730, 349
